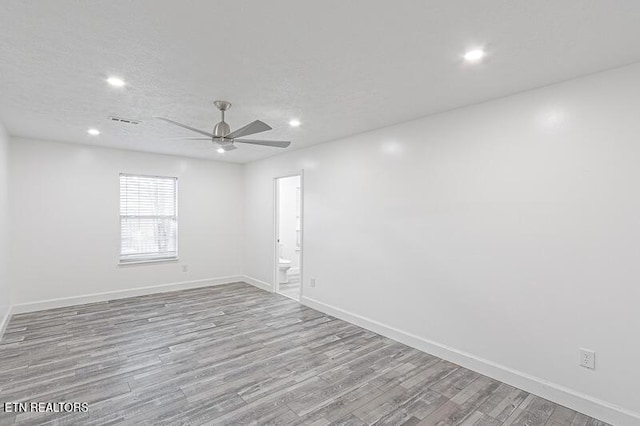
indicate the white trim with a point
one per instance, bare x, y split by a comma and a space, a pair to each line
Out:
575, 400
260, 284
276, 232
301, 247
276, 235
5, 321
142, 262
120, 294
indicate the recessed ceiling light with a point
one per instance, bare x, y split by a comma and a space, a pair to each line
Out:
220, 151
116, 82
294, 123
474, 55
94, 132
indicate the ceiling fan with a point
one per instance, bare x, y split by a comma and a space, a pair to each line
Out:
225, 138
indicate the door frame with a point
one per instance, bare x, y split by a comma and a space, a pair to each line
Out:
276, 231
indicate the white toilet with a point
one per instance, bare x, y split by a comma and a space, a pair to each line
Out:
283, 268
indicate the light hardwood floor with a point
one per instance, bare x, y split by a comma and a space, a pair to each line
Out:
237, 355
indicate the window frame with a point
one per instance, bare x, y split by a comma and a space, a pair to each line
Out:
147, 259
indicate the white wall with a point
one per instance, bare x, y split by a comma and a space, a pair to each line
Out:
509, 231
288, 213
4, 227
65, 220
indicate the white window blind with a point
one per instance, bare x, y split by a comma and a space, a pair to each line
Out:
148, 218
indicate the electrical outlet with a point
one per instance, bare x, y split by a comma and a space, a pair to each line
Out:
185, 268
312, 281
587, 358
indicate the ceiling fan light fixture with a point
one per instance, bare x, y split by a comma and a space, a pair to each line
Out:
116, 81
475, 55
93, 132
220, 150
294, 123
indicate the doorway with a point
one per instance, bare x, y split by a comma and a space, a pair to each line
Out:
288, 232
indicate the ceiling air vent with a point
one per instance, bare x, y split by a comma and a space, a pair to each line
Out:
124, 120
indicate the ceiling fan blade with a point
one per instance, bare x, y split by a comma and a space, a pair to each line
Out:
276, 144
184, 126
194, 139
251, 128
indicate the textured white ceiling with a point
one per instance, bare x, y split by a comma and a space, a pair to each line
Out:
341, 67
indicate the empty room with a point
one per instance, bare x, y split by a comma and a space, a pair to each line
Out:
297, 212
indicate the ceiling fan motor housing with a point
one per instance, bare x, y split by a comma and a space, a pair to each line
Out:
221, 129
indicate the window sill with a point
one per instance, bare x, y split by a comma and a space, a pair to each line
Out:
142, 262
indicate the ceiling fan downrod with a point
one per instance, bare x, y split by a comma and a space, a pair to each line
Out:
222, 129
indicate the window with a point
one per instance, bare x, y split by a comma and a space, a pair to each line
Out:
148, 218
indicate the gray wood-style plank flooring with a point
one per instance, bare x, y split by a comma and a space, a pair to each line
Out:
235, 355
292, 288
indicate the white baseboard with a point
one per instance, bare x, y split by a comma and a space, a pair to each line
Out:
5, 321
257, 283
119, 294
570, 398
